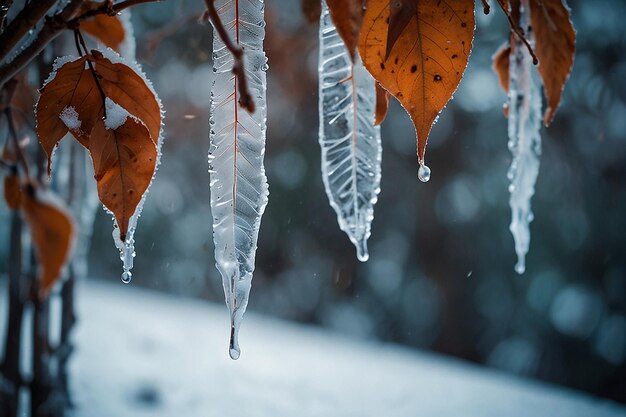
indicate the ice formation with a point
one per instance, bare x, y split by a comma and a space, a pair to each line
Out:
351, 146
238, 184
524, 143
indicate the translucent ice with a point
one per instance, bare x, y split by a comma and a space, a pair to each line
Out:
351, 146
238, 184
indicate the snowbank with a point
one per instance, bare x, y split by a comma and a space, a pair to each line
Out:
141, 353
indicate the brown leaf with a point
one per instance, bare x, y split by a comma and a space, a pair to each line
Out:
126, 88
12, 191
107, 29
72, 91
124, 161
418, 52
52, 230
500, 65
347, 15
382, 104
555, 45
311, 10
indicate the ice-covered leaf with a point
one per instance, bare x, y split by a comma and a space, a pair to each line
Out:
347, 15
238, 183
351, 148
69, 101
418, 51
124, 159
555, 45
12, 191
52, 230
382, 103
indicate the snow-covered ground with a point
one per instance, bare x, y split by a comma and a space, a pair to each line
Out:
140, 353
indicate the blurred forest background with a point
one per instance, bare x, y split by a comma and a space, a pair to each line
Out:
440, 275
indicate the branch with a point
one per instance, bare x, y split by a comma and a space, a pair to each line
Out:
5, 5
245, 99
519, 32
52, 28
22, 24
54, 25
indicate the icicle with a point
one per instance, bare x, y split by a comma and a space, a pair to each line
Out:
524, 143
351, 146
238, 184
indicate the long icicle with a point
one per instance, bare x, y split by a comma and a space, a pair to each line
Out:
238, 184
524, 142
351, 146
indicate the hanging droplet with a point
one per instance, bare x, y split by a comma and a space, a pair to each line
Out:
423, 173
126, 277
234, 350
520, 267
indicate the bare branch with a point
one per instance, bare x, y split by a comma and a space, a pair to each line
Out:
22, 23
245, 98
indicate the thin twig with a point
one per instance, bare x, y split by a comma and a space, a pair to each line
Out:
5, 5
79, 38
245, 98
519, 32
486, 8
10, 91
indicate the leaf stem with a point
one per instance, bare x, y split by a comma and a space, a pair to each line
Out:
245, 98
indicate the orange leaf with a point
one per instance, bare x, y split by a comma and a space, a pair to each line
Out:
126, 88
12, 191
69, 102
107, 29
382, 104
418, 51
52, 230
555, 45
347, 15
500, 65
124, 161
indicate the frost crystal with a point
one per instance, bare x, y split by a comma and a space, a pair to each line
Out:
116, 114
238, 183
351, 146
69, 117
524, 143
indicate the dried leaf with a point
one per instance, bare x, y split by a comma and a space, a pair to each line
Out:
70, 98
500, 65
311, 9
126, 88
418, 52
52, 230
107, 29
12, 191
382, 104
347, 15
555, 45
124, 161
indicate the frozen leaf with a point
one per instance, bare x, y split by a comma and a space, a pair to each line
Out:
12, 191
350, 143
52, 230
418, 52
555, 44
347, 15
382, 104
124, 159
238, 183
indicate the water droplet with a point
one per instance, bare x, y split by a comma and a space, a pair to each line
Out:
520, 267
234, 353
126, 277
423, 173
